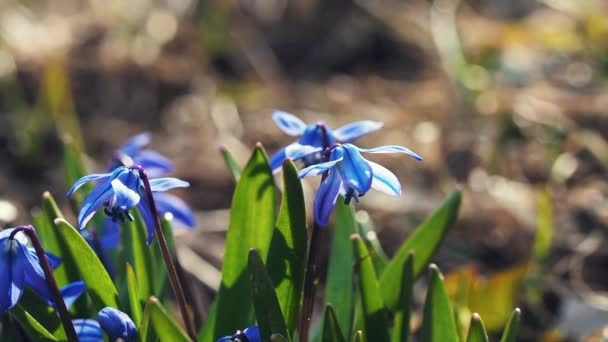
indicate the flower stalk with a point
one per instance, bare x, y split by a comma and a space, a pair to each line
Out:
62, 310
171, 270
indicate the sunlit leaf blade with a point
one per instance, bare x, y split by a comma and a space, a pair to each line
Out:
160, 274
233, 166
81, 263
366, 230
45, 229
339, 290
331, 329
424, 242
477, 331
438, 323
401, 330
252, 222
358, 336
510, 332
39, 309
287, 256
278, 338
73, 169
265, 302
544, 229
30, 326
156, 318
135, 301
138, 254
375, 318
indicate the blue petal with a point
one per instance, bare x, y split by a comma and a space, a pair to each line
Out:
88, 330
356, 172
146, 214
356, 130
167, 183
253, 334
117, 324
124, 197
102, 193
34, 275
53, 260
154, 163
166, 203
225, 339
391, 149
384, 180
71, 292
277, 159
297, 151
12, 275
326, 197
110, 238
315, 170
288, 123
136, 143
82, 181
313, 136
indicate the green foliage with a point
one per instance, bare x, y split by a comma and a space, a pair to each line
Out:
233, 166
137, 253
164, 326
331, 329
438, 323
477, 331
401, 330
135, 301
510, 332
35, 331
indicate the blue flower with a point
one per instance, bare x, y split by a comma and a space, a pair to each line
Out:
251, 334
314, 137
19, 266
133, 153
120, 191
347, 173
117, 324
88, 330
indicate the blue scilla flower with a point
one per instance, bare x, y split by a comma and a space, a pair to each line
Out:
120, 191
347, 173
133, 153
251, 334
88, 330
117, 324
314, 138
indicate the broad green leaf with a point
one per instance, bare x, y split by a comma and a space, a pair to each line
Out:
73, 169
477, 331
164, 326
81, 263
510, 332
265, 302
252, 223
139, 255
339, 288
287, 255
438, 323
331, 329
423, 242
233, 166
32, 328
375, 317
401, 331
135, 301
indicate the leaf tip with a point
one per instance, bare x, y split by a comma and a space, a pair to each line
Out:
355, 237
152, 300
46, 195
517, 312
476, 317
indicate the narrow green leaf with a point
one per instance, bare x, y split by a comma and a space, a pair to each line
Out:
477, 331
135, 301
438, 323
81, 263
138, 254
368, 234
252, 223
45, 228
423, 242
233, 166
160, 276
339, 288
287, 255
278, 338
73, 169
401, 331
375, 317
331, 329
510, 332
163, 325
358, 336
32, 328
39, 309
265, 302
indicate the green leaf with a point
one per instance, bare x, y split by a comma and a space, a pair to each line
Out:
137, 253
32, 328
331, 329
401, 331
438, 323
73, 169
39, 309
358, 337
164, 326
544, 230
510, 332
287, 255
81, 263
252, 223
339, 288
233, 166
368, 234
135, 301
423, 242
477, 332
161, 277
265, 302
375, 318
45, 229
278, 338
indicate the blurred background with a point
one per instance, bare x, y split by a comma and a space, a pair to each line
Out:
504, 99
